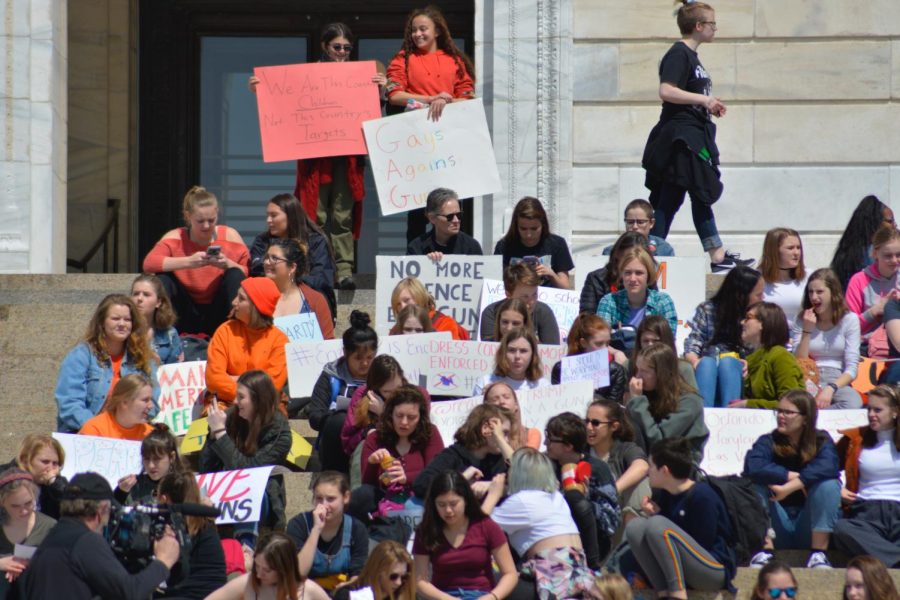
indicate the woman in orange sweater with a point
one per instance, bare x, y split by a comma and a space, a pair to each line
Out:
127, 411
200, 265
248, 341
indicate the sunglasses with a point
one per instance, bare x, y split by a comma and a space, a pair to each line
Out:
596, 422
790, 592
402, 578
457, 216
344, 47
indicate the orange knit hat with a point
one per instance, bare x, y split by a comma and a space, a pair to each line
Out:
263, 294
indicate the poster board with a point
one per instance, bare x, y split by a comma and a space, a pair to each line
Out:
316, 109
411, 155
180, 385
563, 303
112, 459
237, 494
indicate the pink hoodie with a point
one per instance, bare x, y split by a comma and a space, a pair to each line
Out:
864, 290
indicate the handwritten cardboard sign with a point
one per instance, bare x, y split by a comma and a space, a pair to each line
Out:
300, 327
683, 278
455, 366
454, 282
590, 366
563, 303
237, 494
111, 458
195, 437
536, 407
316, 109
300, 451
733, 431
179, 386
305, 360
412, 155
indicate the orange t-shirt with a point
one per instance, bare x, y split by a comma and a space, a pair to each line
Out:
235, 349
105, 425
117, 372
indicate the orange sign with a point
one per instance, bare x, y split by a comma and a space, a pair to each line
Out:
316, 109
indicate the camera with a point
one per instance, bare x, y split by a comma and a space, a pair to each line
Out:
132, 531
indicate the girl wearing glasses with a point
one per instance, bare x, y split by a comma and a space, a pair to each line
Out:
795, 469
776, 581
611, 438
827, 332
284, 263
772, 371
870, 457
389, 571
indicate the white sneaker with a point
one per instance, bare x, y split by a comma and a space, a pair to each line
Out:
761, 559
818, 560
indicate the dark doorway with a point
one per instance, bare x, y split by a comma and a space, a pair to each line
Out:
198, 121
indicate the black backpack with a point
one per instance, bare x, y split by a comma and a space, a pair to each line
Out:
748, 515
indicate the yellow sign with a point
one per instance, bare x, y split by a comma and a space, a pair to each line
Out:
300, 450
195, 437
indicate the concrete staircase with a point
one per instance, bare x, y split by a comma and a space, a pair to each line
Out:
43, 316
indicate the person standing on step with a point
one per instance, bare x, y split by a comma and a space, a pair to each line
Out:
443, 212
681, 154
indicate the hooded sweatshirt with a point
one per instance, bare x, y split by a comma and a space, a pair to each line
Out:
335, 382
864, 290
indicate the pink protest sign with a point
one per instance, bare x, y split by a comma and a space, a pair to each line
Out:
315, 110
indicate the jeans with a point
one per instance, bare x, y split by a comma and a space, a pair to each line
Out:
720, 380
666, 201
794, 525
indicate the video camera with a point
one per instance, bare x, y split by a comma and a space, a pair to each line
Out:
133, 529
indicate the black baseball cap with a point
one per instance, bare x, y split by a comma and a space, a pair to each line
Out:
88, 486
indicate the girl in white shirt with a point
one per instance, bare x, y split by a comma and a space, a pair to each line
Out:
828, 332
783, 270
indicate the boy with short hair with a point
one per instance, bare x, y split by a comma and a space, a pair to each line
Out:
521, 281
684, 543
639, 217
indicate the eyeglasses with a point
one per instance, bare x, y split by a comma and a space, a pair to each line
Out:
345, 47
638, 222
271, 258
596, 422
790, 592
551, 440
457, 216
713, 24
405, 576
779, 412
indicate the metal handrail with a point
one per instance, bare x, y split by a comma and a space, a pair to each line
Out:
112, 225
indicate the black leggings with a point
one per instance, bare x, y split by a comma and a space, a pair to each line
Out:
596, 544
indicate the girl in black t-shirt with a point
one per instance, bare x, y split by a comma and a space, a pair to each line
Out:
681, 154
529, 240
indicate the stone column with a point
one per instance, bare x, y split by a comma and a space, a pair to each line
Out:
523, 49
33, 115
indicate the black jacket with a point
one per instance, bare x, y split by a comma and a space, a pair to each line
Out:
76, 563
457, 458
271, 449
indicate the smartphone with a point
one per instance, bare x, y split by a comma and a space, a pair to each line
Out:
213, 250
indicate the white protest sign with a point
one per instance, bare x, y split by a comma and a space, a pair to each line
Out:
454, 282
362, 594
455, 366
237, 494
590, 366
411, 155
179, 386
563, 303
305, 360
682, 278
540, 404
112, 459
448, 415
733, 431
300, 327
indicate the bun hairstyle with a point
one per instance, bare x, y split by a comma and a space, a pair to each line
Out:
689, 14
359, 336
197, 197
295, 253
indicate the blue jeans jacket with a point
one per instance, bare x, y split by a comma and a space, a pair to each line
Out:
83, 385
167, 345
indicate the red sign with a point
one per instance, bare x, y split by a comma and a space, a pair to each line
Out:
316, 109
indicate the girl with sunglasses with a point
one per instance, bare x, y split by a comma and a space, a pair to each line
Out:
776, 581
389, 571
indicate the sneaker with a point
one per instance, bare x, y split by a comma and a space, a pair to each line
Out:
347, 284
818, 560
736, 257
761, 559
730, 261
